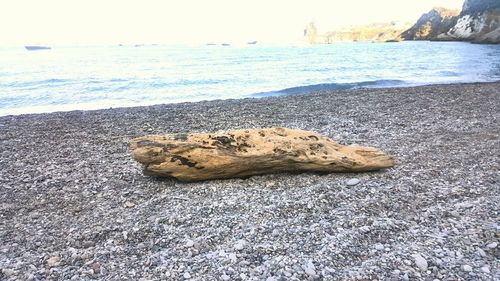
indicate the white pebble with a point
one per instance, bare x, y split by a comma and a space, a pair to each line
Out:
492, 245
239, 245
225, 277
421, 262
481, 252
309, 269
467, 268
8, 272
129, 204
379, 247
187, 275
352, 182
485, 269
189, 243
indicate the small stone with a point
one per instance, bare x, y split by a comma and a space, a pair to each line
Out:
240, 244
225, 277
379, 247
272, 278
481, 252
129, 204
8, 272
364, 229
189, 243
421, 262
352, 182
53, 261
321, 196
232, 257
467, 268
309, 269
485, 269
96, 267
492, 245
186, 275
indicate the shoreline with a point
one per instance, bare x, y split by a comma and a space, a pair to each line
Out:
292, 91
75, 205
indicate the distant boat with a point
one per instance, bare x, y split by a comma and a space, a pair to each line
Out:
37, 48
226, 44
211, 44
252, 43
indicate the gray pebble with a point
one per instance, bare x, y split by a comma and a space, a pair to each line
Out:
421, 262
240, 244
309, 269
481, 252
189, 243
485, 269
352, 181
467, 268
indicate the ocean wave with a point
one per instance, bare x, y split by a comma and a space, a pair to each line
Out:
46, 83
334, 86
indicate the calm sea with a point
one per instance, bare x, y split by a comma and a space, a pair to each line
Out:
69, 78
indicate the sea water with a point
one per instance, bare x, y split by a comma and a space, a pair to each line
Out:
79, 78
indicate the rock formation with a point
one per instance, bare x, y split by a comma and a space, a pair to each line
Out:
241, 153
479, 21
431, 24
377, 32
311, 33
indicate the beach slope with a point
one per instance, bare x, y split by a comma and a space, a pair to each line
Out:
73, 204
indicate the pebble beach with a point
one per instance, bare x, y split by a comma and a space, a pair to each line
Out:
75, 206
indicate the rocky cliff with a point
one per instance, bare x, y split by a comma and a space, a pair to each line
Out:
479, 6
479, 21
377, 32
431, 24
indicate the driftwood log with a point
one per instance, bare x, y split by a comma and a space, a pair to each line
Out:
240, 153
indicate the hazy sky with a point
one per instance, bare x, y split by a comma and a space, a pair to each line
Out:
79, 22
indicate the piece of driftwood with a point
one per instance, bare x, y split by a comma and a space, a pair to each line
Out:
241, 153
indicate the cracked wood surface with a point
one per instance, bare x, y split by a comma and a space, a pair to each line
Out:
247, 152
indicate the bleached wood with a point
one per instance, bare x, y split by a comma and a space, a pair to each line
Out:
241, 153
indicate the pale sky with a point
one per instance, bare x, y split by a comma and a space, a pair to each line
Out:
87, 22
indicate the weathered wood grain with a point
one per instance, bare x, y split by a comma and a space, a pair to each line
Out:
241, 153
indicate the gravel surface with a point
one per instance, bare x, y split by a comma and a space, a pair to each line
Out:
74, 206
